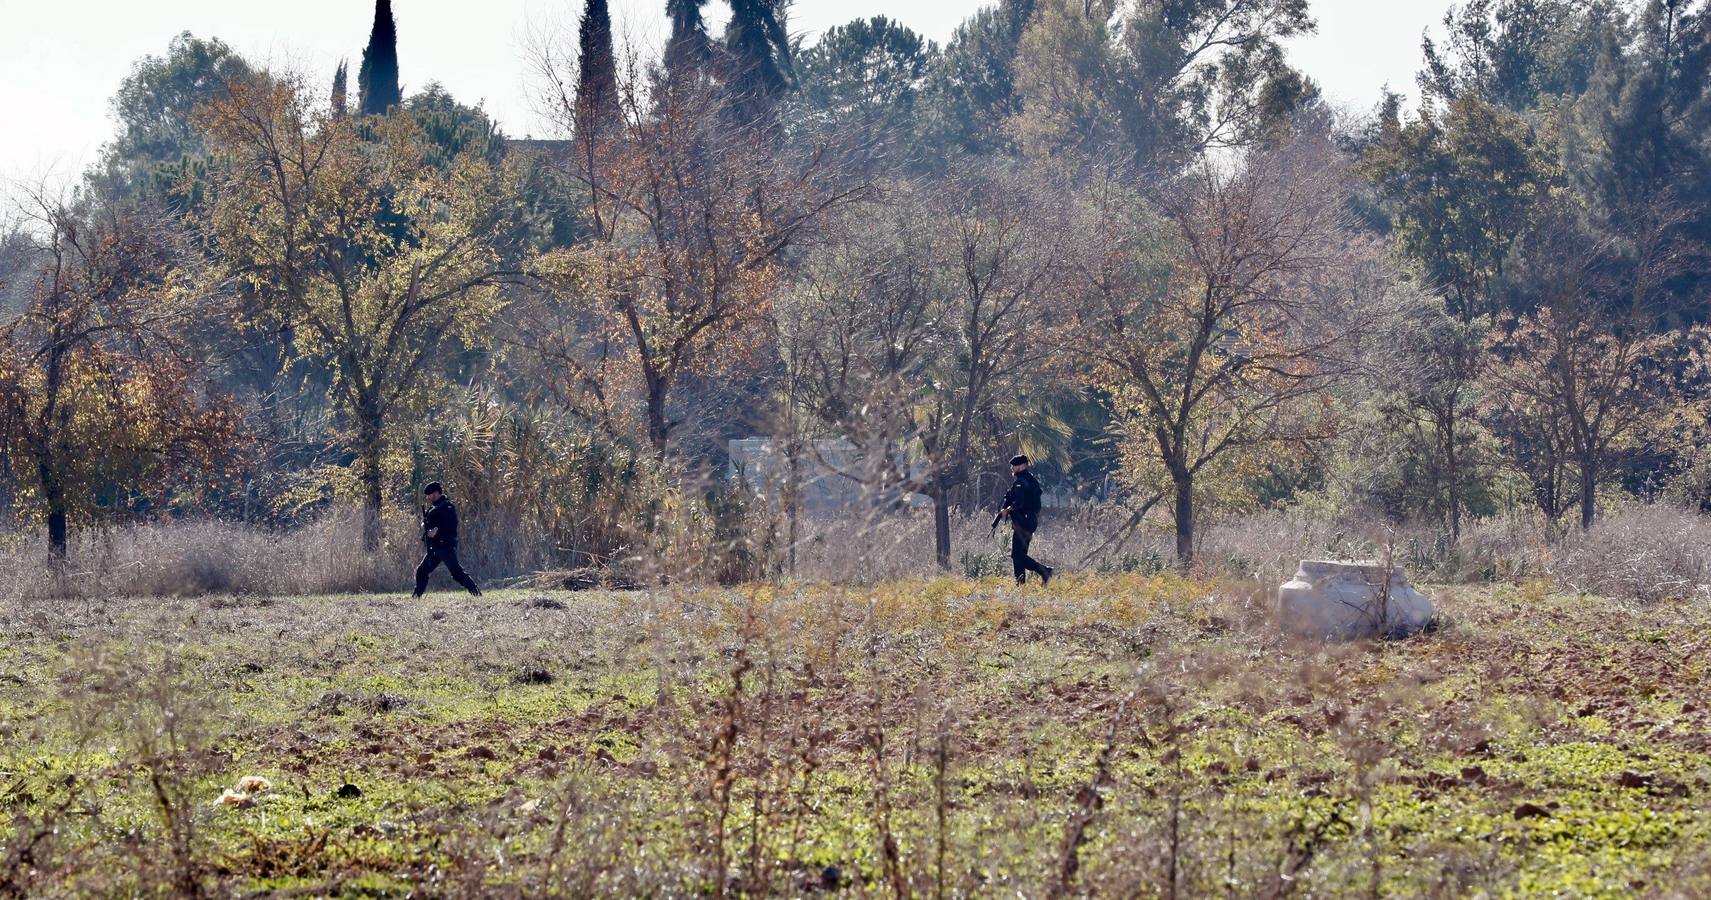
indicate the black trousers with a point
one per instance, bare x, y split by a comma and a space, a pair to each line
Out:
1019, 558
430, 562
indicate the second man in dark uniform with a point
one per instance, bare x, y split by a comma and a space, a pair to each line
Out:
439, 536
1022, 508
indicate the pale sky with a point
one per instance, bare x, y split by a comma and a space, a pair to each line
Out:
60, 63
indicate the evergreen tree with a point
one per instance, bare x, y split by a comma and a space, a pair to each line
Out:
597, 69
1511, 51
1635, 151
377, 80
970, 93
688, 50
340, 109
863, 78
758, 54
1459, 187
157, 141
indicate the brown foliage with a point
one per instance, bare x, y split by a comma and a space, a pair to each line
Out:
100, 391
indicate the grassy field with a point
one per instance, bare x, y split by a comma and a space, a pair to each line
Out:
1117, 736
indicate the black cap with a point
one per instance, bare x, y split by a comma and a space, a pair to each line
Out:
1019, 459
433, 488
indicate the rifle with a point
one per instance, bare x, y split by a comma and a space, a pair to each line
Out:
999, 517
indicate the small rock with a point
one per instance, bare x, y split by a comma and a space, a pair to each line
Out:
831, 878
348, 791
547, 754
386, 702
235, 799
1635, 780
423, 759
1531, 811
253, 784
533, 675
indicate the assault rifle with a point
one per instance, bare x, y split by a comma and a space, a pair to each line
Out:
999, 517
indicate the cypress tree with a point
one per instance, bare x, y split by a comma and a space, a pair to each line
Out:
688, 49
758, 51
597, 69
377, 80
339, 92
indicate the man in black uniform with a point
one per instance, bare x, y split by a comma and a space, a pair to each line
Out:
1022, 508
439, 535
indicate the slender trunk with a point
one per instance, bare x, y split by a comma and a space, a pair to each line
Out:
369, 438
53, 493
1588, 496
1453, 465
658, 429
942, 526
1184, 481
792, 503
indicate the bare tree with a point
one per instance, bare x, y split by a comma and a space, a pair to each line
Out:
915, 330
1576, 377
690, 217
1217, 314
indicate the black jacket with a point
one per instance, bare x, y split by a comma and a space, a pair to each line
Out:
1024, 502
442, 515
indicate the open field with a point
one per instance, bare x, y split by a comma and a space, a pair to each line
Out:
1121, 735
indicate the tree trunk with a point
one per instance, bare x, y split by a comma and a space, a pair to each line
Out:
942, 527
369, 436
53, 493
792, 501
1452, 463
1588, 494
1184, 481
659, 431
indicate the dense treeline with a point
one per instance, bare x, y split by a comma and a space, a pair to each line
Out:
1128, 238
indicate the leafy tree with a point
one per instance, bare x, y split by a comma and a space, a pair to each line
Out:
451, 128
689, 49
1155, 84
1429, 371
1509, 52
970, 95
156, 140
377, 79
101, 402
1459, 191
864, 78
371, 258
1635, 149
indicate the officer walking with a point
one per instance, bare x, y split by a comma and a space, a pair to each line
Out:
1022, 508
439, 536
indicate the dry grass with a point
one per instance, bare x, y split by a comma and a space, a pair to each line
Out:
1639, 552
